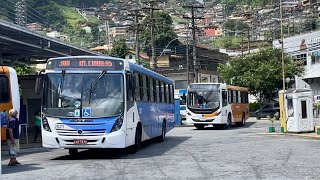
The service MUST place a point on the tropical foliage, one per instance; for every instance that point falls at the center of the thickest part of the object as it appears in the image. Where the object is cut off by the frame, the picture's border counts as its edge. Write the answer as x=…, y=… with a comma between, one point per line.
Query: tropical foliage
x=261, y=72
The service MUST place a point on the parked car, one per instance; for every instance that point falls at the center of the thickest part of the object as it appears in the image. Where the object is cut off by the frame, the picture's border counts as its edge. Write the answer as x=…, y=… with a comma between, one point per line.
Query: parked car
x=268, y=110
x=316, y=98
x=183, y=111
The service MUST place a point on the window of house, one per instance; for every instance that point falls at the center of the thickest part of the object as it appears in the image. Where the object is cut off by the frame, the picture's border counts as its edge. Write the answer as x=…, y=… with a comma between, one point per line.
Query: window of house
x=304, y=109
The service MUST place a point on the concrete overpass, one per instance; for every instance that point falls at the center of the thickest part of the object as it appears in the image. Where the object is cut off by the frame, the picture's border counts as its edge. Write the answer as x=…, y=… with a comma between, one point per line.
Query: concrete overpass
x=20, y=45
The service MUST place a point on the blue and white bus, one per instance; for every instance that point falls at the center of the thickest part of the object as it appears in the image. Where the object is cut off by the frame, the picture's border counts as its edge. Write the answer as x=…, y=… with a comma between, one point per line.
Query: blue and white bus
x=103, y=102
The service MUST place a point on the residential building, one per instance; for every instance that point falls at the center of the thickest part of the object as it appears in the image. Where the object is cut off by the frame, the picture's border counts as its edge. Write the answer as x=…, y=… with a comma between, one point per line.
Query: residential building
x=89, y=12
x=53, y=34
x=305, y=48
x=144, y=58
x=118, y=32
x=34, y=26
x=212, y=31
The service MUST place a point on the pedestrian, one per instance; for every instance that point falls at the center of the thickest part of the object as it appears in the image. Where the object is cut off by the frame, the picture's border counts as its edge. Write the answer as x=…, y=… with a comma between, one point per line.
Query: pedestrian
x=13, y=137
x=37, y=125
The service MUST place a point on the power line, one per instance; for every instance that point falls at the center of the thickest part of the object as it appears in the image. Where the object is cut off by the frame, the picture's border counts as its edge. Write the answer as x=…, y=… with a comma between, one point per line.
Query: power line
x=152, y=8
x=193, y=7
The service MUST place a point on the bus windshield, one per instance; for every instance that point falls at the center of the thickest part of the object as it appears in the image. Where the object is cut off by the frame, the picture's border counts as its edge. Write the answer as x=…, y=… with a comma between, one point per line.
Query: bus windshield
x=83, y=95
x=204, y=99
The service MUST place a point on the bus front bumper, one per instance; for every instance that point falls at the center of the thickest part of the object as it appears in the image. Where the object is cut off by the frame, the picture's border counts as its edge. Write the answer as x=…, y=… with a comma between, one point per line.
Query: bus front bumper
x=214, y=120
x=115, y=139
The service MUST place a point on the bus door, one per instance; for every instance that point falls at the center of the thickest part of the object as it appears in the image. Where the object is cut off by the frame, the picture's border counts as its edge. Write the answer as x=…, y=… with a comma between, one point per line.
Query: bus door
x=224, y=102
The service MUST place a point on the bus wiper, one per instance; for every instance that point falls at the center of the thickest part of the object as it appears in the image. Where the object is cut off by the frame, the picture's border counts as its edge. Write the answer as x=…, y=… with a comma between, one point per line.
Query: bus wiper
x=95, y=83
x=61, y=83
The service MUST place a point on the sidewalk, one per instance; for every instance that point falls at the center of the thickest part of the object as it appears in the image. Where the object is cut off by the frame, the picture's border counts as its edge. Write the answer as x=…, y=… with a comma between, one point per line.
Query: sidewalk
x=311, y=135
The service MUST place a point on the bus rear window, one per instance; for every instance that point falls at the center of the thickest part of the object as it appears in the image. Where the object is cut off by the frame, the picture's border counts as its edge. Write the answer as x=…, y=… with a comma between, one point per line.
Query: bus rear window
x=4, y=89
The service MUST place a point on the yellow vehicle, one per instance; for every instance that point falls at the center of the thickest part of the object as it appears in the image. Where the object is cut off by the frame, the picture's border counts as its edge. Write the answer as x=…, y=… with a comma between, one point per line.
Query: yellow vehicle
x=216, y=104
x=9, y=95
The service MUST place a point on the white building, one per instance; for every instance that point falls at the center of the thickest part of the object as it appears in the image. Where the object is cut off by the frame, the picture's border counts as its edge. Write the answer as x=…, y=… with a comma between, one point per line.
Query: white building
x=305, y=47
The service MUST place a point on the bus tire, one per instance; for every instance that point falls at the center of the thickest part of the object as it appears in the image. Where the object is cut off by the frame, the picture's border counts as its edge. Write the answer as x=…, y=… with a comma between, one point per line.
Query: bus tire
x=199, y=126
x=73, y=152
x=243, y=120
x=163, y=132
x=229, y=122
x=137, y=141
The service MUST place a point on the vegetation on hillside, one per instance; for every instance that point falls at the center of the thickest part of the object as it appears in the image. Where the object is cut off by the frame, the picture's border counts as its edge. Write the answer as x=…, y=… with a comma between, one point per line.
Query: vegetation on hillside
x=164, y=32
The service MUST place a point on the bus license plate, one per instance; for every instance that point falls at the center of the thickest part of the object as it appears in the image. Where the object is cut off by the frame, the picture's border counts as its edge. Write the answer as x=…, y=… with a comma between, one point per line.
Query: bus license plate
x=80, y=141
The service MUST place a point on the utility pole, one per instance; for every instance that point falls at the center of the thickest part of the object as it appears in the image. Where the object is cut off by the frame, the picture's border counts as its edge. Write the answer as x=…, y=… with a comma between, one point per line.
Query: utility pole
x=249, y=40
x=137, y=29
x=151, y=9
x=282, y=44
x=187, y=54
x=194, y=44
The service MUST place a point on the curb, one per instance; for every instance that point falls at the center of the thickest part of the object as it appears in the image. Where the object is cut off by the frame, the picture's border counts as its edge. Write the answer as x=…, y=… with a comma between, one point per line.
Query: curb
x=312, y=136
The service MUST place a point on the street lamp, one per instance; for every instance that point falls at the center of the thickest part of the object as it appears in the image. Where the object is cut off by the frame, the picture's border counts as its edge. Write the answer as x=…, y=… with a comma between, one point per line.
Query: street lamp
x=288, y=81
x=166, y=47
x=162, y=52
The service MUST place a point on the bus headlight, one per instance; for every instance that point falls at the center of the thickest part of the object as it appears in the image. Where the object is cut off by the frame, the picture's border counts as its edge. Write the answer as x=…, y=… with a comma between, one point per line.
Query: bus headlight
x=45, y=124
x=118, y=124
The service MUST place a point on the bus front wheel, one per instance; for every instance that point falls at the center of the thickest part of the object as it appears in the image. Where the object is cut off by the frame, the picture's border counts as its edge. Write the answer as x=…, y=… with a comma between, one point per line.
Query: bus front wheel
x=199, y=126
x=137, y=141
x=229, y=122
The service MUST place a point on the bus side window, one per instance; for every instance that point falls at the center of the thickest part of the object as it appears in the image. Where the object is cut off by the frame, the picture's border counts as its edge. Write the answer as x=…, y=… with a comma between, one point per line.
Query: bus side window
x=159, y=91
x=164, y=92
x=224, y=98
x=137, y=90
x=230, y=96
x=151, y=89
x=4, y=89
x=145, y=88
x=130, y=91
x=155, y=90
x=141, y=86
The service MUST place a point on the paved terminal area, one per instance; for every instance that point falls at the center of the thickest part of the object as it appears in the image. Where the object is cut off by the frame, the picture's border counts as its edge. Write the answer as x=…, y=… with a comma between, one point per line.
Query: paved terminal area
x=187, y=153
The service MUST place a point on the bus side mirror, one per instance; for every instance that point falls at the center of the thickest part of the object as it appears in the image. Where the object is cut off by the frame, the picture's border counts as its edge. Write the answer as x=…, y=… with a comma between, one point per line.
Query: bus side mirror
x=39, y=83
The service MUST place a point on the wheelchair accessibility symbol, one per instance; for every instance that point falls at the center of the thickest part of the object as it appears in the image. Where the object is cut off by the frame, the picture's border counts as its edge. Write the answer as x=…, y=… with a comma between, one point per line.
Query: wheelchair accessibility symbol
x=86, y=112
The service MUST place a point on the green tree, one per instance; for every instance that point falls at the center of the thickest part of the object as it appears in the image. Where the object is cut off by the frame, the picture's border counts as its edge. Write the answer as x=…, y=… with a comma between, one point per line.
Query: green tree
x=234, y=26
x=119, y=49
x=227, y=42
x=261, y=72
x=23, y=70
x=163, y=30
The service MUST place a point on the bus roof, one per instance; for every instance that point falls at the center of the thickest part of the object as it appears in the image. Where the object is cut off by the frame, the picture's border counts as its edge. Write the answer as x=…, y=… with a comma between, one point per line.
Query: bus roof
x=238, y=88
x=149, y=72
x=230, y=87
x=132, y=66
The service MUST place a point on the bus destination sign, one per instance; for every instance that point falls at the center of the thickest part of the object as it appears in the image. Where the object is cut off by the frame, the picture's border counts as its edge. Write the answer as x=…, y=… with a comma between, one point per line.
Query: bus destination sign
x=202, y=87
x=85, y=63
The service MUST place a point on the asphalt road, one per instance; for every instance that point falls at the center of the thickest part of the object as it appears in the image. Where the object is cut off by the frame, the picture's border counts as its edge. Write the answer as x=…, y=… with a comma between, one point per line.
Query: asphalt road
x=237, y=153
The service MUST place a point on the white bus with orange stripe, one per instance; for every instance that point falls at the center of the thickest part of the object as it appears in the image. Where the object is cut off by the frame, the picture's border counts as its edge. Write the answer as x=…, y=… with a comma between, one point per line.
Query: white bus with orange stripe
x=216, y=104
x=9, y=93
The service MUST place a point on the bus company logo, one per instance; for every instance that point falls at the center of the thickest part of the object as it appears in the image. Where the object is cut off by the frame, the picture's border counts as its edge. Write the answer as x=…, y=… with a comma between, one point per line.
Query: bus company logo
x=81, y=120
x=79, y=131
